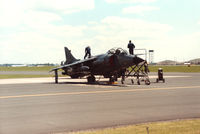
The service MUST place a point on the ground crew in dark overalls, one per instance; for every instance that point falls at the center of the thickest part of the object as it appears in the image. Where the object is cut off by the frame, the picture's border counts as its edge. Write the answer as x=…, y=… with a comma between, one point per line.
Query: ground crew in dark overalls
x=131, y=47
x=87, y=52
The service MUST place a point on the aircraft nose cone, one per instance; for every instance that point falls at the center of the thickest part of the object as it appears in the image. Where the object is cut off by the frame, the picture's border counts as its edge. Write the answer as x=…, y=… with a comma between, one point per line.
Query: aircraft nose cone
x=137, y=60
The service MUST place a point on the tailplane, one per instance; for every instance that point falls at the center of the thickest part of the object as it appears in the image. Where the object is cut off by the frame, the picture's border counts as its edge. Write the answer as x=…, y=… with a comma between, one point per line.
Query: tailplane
x=69, y=57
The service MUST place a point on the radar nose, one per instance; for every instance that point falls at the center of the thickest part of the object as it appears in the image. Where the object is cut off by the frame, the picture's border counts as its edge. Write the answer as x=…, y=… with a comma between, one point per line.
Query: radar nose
x=137, y=60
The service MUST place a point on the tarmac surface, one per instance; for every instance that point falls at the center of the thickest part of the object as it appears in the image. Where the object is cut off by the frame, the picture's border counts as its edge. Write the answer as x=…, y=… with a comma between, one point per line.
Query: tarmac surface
x=39, y=106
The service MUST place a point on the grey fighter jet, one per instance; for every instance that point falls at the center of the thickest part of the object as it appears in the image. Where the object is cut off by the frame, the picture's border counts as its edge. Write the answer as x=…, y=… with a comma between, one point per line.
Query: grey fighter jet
x=112, y=65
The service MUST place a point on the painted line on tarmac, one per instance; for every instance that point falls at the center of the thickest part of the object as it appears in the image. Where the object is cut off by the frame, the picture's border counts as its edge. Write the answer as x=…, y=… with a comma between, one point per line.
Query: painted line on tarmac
x=95, y=92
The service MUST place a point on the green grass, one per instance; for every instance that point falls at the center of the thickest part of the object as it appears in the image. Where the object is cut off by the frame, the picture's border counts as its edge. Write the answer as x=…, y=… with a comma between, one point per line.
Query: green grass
x=192, y=68
x=186, y=69
x=9, y=76
x=48, y=68
x=31, y=69
x=45, y=68
x=172, y=127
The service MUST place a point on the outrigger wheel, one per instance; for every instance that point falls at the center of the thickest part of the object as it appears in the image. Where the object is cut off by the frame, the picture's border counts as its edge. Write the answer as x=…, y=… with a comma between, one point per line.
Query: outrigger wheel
x=56, y=76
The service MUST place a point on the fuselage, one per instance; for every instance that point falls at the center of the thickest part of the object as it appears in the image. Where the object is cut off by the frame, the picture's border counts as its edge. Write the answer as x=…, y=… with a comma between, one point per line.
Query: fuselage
x=104, y=64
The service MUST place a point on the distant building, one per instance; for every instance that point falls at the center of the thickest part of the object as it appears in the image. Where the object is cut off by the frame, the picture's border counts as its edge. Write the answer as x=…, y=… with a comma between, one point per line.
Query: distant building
x=195, y=61
x=168, y=62
x=19, y=65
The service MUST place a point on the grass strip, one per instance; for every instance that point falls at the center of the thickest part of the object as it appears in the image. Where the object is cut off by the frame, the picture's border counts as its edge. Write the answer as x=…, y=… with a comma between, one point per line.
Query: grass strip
x=170, y=127
x=44, y=68
x=193, y=68
x=10, y=76
x=186, y=69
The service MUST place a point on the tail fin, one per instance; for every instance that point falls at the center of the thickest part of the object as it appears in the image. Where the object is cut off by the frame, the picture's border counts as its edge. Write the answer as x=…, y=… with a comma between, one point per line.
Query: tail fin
x=69, y=57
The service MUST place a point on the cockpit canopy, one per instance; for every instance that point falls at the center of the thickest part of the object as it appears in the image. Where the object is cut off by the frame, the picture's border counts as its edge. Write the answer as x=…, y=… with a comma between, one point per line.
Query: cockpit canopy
x=117, y=51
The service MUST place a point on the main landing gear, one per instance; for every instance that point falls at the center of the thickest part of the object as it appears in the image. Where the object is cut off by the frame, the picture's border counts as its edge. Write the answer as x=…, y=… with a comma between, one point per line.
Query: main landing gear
x=91, y=79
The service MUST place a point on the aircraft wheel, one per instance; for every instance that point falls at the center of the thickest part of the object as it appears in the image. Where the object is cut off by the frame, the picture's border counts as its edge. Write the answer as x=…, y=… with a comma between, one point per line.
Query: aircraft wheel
x=115, y=77
x=91, y=79
x=122, y=82
x=74, y=76
x=163, y=80
x=112, y=79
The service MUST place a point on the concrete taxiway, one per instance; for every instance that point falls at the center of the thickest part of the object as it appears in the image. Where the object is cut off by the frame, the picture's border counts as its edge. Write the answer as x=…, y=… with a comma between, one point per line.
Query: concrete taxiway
x=45, y=107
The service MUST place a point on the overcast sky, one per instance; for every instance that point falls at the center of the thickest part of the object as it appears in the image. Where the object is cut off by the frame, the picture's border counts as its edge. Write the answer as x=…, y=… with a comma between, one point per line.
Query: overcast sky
x=35, y=31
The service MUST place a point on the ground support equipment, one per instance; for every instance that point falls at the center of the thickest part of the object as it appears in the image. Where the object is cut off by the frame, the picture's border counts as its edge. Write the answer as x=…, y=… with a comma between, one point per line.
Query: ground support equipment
x=140, y=72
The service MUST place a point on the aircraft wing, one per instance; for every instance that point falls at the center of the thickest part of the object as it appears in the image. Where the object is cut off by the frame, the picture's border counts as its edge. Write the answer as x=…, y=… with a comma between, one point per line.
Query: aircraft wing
x=75, y=63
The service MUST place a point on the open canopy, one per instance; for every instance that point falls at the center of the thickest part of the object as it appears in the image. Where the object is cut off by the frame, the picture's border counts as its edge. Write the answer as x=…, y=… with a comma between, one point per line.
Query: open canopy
x=117, y=51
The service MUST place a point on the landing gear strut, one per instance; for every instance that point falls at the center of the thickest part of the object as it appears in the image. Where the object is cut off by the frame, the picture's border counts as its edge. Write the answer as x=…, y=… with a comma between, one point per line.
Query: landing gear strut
x=91, y=79
x=111, y=79
x=123, y=79
x=56, y=76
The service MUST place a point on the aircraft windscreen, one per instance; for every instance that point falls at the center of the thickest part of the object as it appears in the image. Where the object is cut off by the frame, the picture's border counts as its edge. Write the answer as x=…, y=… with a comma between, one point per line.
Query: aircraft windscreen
x=117, y=51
